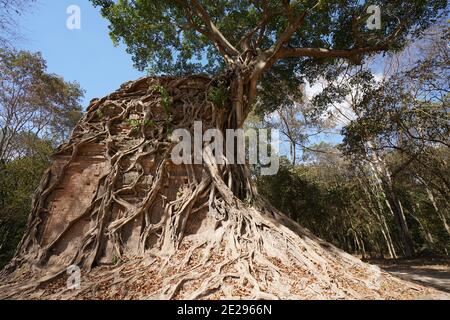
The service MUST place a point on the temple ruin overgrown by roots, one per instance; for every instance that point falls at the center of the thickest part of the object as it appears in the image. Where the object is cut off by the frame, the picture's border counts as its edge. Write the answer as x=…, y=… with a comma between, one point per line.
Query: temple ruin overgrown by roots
x=139, y=226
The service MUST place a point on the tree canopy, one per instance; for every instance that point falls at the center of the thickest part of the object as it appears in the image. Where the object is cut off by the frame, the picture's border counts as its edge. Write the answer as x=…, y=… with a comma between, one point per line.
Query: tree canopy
x=292, y=39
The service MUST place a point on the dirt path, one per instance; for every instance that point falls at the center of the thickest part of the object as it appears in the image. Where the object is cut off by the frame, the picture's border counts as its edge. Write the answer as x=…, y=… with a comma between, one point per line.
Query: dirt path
x=433, y=273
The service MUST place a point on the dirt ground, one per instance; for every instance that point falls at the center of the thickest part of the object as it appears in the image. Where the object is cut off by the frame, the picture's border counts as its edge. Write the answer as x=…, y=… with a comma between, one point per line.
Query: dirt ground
x=430, y=272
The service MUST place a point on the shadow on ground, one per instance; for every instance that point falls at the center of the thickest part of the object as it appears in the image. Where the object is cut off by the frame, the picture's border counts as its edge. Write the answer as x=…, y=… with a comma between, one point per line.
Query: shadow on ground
x=431, y=272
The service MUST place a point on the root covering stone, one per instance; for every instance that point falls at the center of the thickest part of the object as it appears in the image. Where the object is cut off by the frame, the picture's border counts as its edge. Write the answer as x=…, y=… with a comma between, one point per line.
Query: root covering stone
x=141, y=227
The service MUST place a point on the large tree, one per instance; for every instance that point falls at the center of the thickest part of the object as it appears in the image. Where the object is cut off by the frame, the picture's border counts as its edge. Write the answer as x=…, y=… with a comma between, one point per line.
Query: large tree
x=203, y=228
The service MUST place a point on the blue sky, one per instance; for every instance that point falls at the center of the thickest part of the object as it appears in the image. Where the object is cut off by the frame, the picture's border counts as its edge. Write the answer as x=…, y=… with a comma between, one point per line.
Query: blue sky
x=86, y=55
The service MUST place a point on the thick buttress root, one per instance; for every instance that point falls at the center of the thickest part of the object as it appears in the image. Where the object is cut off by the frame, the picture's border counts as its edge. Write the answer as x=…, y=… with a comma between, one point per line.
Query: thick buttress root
x=142, y=227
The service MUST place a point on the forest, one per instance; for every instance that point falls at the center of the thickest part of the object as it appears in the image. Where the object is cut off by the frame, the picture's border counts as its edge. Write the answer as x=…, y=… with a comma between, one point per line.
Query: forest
x=363, y=118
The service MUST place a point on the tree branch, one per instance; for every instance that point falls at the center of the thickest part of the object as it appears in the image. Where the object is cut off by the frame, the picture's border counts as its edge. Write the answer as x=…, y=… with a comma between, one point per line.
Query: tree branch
x=214, y=32
x=352, y=54
x=325, y=53
x=260, y=26
x=266, y=59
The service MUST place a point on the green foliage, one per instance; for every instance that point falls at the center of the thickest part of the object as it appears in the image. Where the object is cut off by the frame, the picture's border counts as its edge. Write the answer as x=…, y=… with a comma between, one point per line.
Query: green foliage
x=337, y=202
x=149, y=123
x=408, y=111
x=115, y=260
x=169, y=128
x=99, y=114
x=18, y=180
x=155, y=30
x=45, y=104
x=165, y=102
x=165, y=98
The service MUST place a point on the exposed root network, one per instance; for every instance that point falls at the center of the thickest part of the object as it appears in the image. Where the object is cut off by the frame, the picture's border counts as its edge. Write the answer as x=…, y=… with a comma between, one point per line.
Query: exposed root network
x=144, y=228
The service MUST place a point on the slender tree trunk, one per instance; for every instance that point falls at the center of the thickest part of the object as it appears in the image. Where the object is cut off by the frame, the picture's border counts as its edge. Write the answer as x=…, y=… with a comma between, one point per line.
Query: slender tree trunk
x=194, y=230
x=440, y=214
x=394, y=204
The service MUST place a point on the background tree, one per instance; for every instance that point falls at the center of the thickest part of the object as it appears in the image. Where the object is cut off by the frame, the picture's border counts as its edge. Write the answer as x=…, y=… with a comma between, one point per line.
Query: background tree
x=295, y=124
x=404, y=147
x=9, y=10
x=271, y=43
x=33, y=101
x=19, y=179
x=405, y=118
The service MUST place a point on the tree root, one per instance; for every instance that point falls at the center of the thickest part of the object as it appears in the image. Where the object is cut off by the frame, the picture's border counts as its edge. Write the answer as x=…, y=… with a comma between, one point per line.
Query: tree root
x=203, y=231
